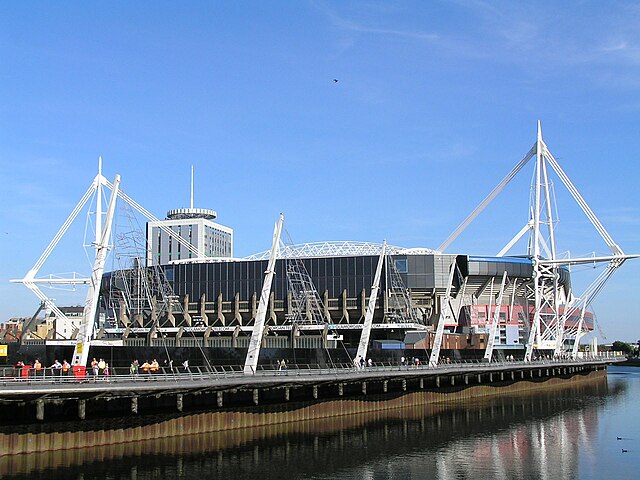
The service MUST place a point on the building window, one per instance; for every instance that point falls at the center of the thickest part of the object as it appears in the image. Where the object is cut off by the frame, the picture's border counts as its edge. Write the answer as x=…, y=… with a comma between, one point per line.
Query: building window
x=401, y=265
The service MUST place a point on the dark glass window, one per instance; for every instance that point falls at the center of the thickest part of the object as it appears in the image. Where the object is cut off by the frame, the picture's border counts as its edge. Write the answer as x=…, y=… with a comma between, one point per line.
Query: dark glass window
x=401, y=265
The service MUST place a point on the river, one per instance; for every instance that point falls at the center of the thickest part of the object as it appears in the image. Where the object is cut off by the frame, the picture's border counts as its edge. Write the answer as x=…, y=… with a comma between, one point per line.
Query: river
x=568, y=433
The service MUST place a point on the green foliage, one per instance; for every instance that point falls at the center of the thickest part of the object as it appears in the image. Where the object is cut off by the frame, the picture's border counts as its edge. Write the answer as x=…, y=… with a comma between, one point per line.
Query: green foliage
x=619, y=346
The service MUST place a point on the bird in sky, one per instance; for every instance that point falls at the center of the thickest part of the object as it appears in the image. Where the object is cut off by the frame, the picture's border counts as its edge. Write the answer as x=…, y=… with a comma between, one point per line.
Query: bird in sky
x=335, y=80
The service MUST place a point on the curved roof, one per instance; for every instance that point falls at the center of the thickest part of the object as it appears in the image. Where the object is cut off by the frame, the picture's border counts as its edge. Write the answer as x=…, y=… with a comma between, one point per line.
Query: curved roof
x=339, y=249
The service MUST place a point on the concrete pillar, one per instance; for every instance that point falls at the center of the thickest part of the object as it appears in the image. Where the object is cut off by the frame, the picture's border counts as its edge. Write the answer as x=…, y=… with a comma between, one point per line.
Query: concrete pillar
x=219, y=399
x=315, y=391
x=491, y=378
x=513, y=375
x=341, y=389
x=179, y=402
x=286, y=394
x=521, y=374
x=466, y=379
x=540, y=372
x=404, y=385
x=437, y=381
x=385, y=386
x=134, y=405
x=82, y=409
x=40, y=409
x=255, y=396
x=479, y=378
x=547, y=372
x=421, y=383
x=364, y=388
x=531, y=373
x=453, y=380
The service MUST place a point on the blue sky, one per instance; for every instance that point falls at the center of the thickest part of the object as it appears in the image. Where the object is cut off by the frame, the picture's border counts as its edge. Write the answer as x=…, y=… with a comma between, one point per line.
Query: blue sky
x=435, y=102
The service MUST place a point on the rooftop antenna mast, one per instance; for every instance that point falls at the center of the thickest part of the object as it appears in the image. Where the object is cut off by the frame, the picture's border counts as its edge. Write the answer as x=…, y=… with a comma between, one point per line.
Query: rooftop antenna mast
x=191, y=203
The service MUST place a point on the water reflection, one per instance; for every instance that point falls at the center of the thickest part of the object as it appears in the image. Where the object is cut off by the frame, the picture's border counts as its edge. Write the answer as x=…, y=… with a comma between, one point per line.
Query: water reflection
x=524, y=436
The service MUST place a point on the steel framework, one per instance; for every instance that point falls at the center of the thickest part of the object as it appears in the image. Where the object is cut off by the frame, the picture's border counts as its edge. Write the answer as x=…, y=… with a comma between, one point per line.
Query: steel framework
x=552, y=306
x=306, y=305
x=340, y=249
x=102, y=244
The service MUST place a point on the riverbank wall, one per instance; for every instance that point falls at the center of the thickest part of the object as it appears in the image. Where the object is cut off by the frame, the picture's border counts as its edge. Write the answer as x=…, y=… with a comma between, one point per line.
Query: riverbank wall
x=43, y=437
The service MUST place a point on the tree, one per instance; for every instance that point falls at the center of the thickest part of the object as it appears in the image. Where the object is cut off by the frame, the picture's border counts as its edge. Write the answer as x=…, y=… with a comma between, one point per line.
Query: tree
x=619, y=346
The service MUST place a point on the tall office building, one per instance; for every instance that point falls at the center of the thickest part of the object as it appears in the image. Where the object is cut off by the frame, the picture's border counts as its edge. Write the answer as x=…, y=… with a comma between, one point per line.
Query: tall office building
x=196, y=227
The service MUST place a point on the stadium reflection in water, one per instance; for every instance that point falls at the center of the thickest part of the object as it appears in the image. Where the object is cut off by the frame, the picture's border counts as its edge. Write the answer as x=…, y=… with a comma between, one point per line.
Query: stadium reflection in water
x=558, y=433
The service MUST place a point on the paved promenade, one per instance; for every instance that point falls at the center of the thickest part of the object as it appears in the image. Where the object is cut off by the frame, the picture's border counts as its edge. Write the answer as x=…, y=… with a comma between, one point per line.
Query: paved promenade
x=49, y=386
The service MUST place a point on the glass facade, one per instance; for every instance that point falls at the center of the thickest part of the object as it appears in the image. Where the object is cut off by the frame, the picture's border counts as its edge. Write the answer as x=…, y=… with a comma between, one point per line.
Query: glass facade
x=334, y=275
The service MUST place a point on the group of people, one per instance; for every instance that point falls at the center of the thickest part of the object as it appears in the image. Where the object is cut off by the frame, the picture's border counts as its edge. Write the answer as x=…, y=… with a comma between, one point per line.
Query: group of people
x=57, y=369
x=63, y=368
x=154, y=366
x=99, y=367
x=415, y=361
x=360, y=362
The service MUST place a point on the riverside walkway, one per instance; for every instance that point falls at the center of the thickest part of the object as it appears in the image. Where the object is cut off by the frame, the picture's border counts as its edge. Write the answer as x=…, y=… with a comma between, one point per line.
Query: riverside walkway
x=230, y=382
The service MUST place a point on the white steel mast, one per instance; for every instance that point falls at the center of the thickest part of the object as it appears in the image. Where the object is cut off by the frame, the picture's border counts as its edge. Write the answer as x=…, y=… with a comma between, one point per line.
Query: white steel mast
x=251, y=362
x=445, y=312
x=534, y=253
x=363, y=346
x=493, y=328
x=81, y=351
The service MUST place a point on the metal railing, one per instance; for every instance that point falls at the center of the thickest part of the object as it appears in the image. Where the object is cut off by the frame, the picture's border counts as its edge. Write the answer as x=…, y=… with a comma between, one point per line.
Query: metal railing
x=52, y=376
